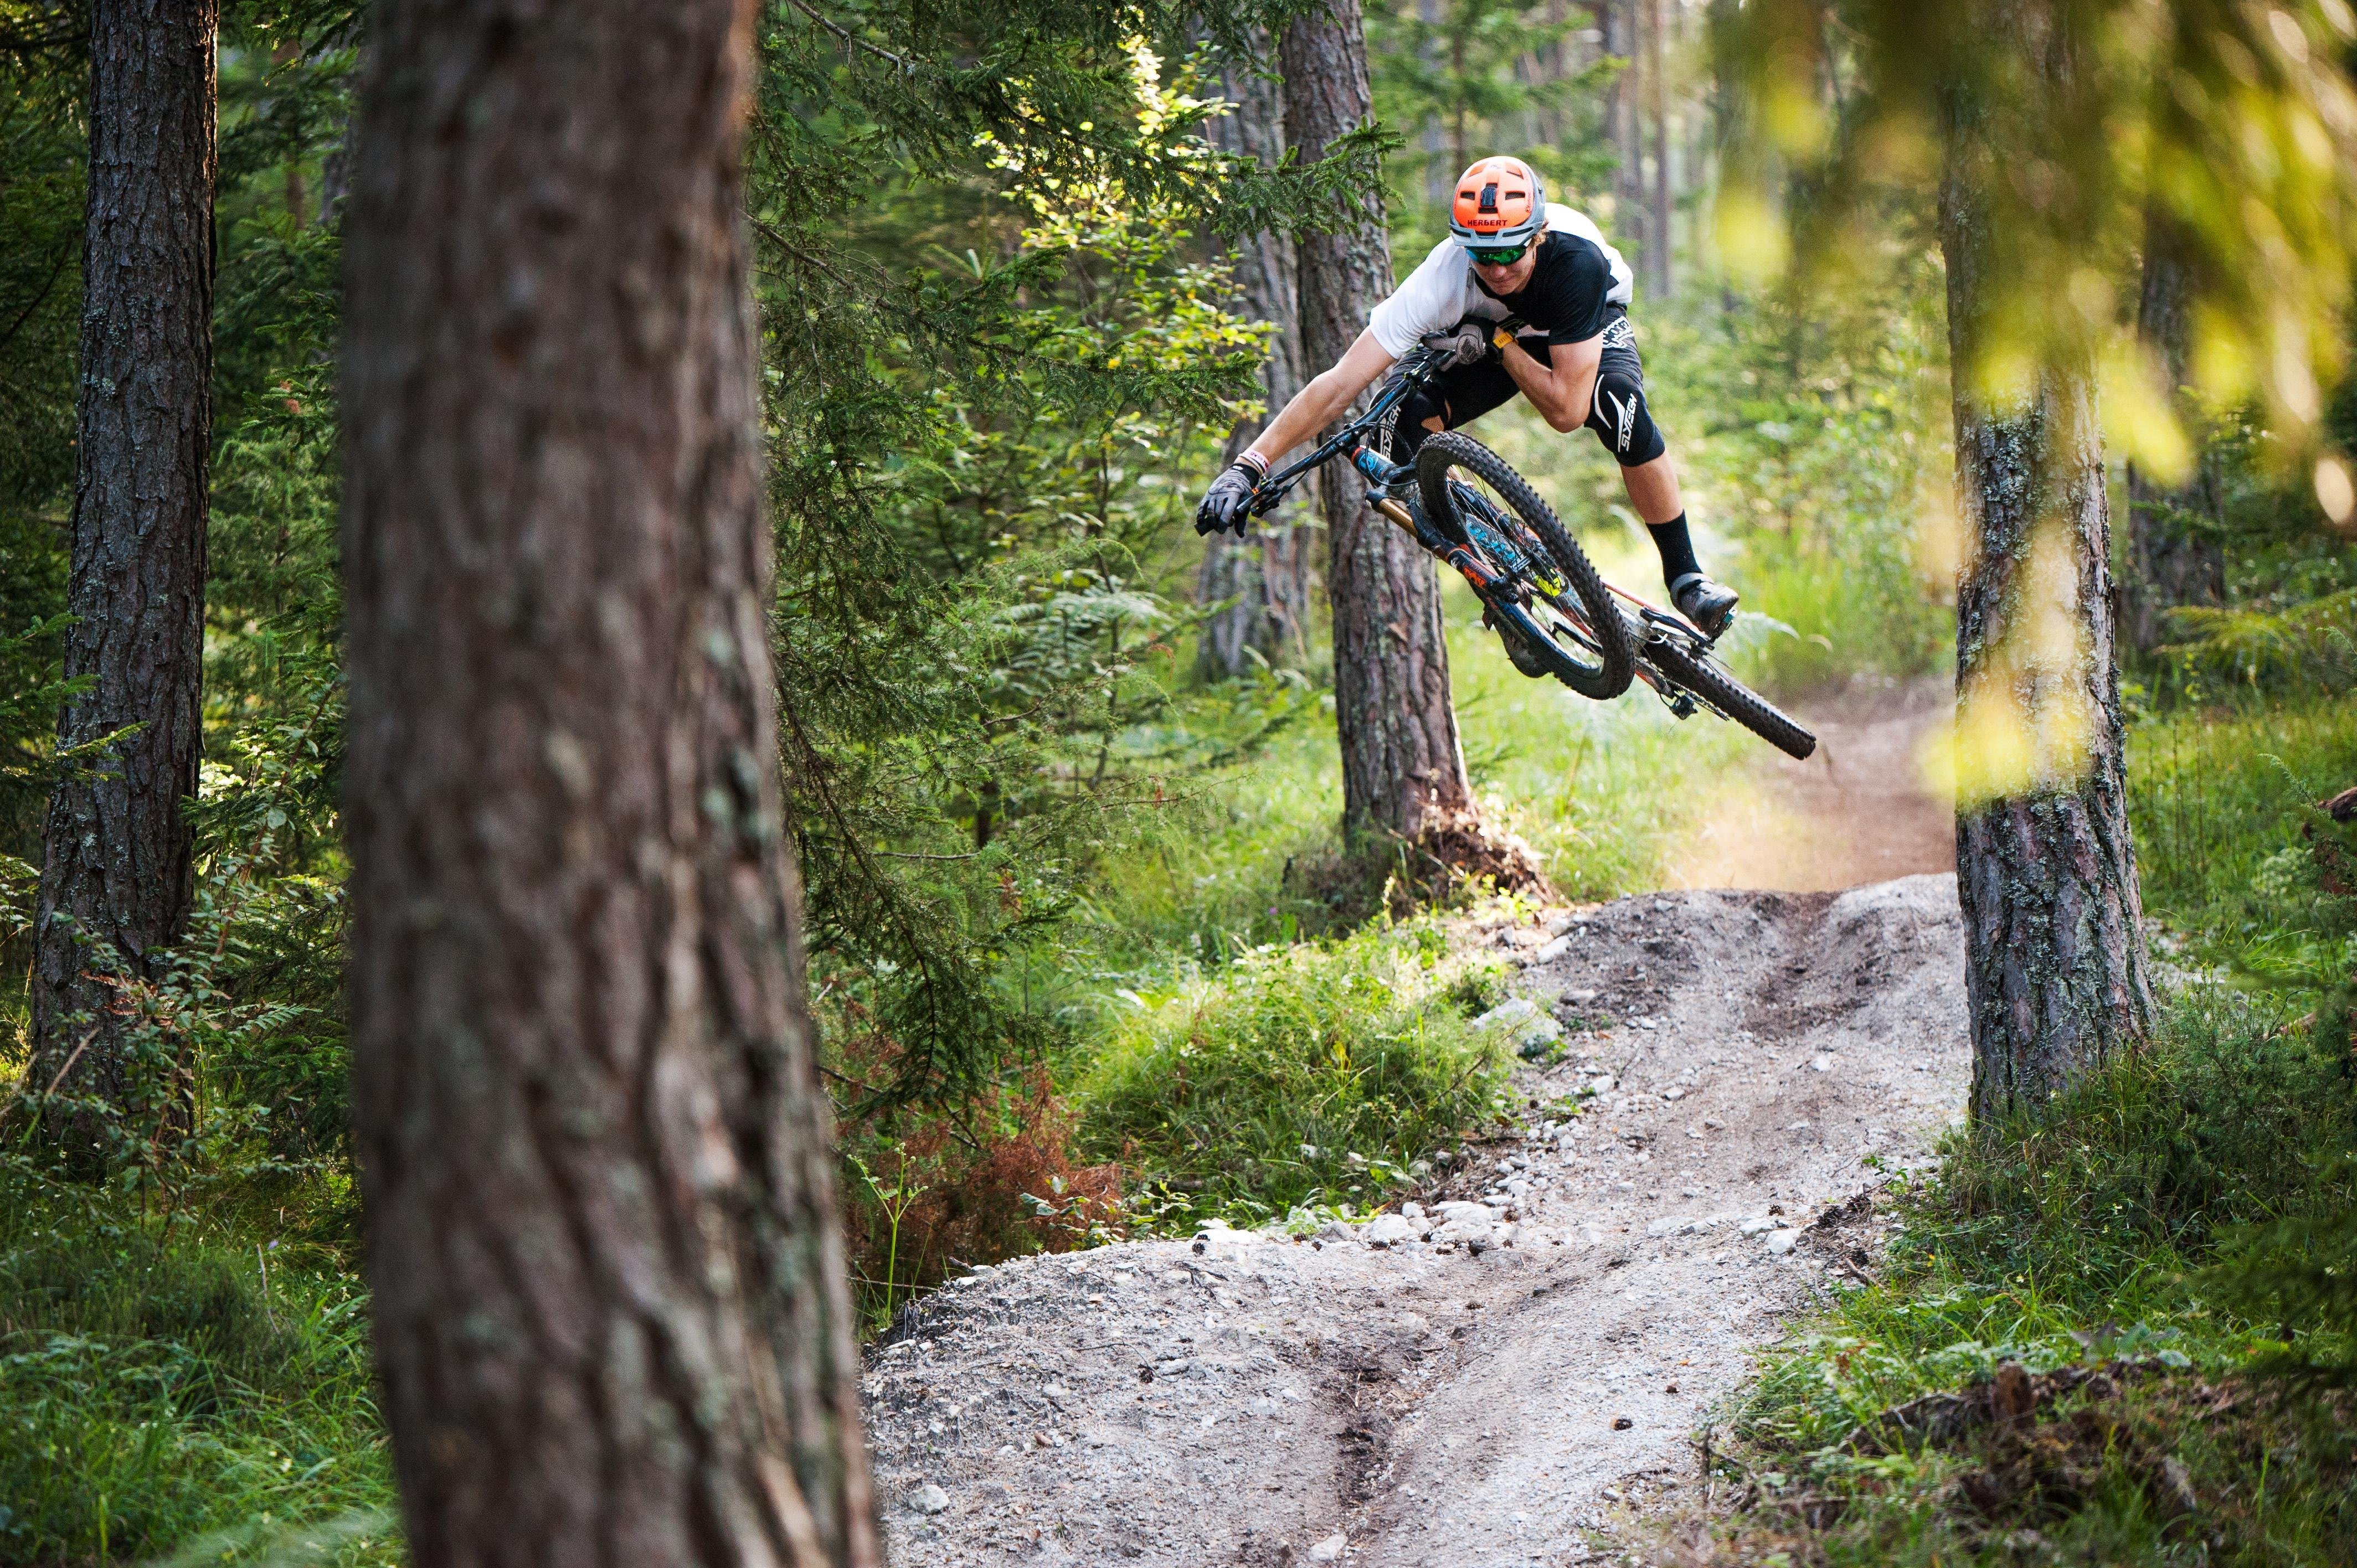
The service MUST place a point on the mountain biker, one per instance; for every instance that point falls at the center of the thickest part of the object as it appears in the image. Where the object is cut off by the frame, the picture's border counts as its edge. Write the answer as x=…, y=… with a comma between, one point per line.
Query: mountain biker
x=1525, y=296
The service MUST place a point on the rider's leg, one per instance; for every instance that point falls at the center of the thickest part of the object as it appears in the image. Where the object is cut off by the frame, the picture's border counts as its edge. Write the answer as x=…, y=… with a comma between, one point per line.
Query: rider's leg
x=1654, y=494
x=1448, y=401
x=1625, y=425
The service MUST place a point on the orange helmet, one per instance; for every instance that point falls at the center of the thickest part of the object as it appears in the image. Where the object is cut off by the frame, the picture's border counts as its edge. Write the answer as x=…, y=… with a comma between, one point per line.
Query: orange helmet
x=1499, y=202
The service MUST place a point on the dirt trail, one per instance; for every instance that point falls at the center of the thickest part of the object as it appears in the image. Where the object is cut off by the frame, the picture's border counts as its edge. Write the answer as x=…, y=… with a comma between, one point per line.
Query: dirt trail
x=1500, y=1390
x=1858, y=811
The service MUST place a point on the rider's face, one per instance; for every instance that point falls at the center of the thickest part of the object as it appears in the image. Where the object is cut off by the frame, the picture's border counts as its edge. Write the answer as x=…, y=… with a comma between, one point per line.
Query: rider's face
x=1510, y=278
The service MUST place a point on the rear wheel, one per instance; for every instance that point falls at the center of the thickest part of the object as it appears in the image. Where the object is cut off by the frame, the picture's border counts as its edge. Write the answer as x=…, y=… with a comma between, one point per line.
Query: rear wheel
x=1707, y=678
x=1573, y=625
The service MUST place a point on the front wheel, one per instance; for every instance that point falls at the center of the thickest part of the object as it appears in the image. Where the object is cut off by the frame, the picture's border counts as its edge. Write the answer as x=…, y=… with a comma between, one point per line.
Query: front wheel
x=1707, y=678
x=1574, y=627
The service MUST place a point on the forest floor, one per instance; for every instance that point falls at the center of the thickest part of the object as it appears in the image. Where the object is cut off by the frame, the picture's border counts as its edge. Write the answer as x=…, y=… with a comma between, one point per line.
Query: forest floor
x=1517, y=1369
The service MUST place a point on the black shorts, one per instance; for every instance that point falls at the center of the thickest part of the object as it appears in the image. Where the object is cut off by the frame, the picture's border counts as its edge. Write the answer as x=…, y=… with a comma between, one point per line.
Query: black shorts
x=1460, y=396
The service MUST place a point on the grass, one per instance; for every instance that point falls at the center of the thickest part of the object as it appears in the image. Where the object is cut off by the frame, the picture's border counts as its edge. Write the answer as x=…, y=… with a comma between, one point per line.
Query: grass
x=157, y=1399
x=2187, y=1209
x=1296, y=1076
x=2215, y=799
x=1603, y=791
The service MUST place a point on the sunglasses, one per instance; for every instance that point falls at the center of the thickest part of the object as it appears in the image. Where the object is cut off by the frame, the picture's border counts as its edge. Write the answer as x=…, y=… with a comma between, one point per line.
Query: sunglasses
x=1498, y=257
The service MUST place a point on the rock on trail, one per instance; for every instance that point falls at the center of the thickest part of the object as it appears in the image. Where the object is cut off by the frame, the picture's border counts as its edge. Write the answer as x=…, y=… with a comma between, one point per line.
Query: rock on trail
x=1493, y=1380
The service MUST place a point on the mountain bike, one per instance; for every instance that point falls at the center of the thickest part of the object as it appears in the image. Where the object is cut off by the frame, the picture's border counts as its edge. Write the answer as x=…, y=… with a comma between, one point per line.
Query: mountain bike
x=1556, y=615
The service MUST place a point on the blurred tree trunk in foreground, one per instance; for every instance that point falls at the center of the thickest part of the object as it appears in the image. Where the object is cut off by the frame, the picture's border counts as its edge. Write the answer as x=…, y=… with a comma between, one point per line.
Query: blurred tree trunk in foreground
x=610, y=1310
x=1267, y=577
x=2172, y=560
x=117, y=868
x=2054, y=954
x=1402, y=768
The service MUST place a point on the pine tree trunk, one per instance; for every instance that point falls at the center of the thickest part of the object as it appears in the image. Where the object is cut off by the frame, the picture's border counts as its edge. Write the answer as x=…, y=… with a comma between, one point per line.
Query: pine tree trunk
x=1440, y=174
x=2173, y=561
x=1267, y=578
x=2055, y=963
x=1657, y=94
x=118, y=865
x=610, y=1309
x=1402, y=768
x=1621, y=125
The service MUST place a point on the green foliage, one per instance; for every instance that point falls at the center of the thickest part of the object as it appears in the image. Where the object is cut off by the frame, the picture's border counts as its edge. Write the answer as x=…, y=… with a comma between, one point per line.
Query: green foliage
x=1816, y=436
x=152, y=1395
x=2227, y=126
x=1294, y=1076
x=979, y=454
x=2310, y=642
x=2228, y=1120
x=40, y=295
x=2216, y=800
x=1467, y=77
x=40, y=306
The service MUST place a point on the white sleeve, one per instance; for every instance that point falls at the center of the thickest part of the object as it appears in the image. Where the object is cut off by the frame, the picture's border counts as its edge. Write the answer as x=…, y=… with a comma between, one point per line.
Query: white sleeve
x=1431, y=300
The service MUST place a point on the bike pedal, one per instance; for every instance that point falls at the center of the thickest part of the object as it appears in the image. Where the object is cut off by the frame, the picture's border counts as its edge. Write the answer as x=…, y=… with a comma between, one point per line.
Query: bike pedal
x=1667, y=626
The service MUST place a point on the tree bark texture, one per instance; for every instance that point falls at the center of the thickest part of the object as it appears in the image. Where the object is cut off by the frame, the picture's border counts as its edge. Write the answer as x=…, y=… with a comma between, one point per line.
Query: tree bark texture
x=1402, y=765
x=1665, y=203
x=2055, y=961
x=611, y=1309
x=2174, y=556
x=1265, y=581
x=117, y=869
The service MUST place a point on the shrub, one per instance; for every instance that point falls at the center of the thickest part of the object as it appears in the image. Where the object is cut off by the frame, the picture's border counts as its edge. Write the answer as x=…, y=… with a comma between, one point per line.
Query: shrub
x=150, y=1394
x=2226, y=1120
x=929, y=1187
x=1296, y=1075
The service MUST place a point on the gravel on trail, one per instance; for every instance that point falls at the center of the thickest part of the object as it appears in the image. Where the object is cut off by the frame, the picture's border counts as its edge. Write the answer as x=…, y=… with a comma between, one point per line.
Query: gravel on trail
x=1502, y=1377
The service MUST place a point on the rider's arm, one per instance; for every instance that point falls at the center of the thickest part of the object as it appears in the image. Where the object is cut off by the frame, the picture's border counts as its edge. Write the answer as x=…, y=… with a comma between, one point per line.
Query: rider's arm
x=1323, y=400
x=1563, y=390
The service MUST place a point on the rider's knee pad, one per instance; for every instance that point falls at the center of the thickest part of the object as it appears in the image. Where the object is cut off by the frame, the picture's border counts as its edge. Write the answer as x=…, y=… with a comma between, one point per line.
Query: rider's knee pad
x=1622, y=422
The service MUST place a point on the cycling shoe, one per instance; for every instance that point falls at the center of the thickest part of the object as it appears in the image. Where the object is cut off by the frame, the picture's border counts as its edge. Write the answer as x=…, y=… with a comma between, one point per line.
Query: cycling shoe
x=1710, y=605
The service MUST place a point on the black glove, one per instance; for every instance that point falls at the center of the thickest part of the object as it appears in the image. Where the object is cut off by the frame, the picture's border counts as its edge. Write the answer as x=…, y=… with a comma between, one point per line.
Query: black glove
x=1466, y=343
x=1227, y=503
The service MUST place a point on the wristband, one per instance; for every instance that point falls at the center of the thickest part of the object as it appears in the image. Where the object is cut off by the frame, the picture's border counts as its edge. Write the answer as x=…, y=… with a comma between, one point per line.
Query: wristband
x=1256, y=462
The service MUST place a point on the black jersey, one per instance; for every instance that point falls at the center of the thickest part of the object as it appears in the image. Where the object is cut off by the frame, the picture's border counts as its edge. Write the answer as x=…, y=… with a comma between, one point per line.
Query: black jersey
x=1577, y=279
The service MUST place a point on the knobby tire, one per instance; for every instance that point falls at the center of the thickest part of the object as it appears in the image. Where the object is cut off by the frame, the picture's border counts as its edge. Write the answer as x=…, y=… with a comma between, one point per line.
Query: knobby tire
x=1708, y=679
x=1616, y=665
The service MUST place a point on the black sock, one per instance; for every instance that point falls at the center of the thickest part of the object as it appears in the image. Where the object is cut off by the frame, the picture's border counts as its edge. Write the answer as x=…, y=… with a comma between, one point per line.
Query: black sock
x=1676, y=547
